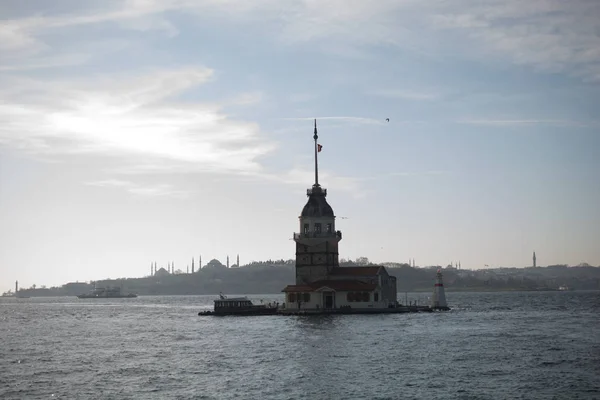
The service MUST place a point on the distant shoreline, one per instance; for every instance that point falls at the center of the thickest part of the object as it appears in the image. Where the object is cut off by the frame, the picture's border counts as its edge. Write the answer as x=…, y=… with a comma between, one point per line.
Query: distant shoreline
x=422, y=291
x=269, y=277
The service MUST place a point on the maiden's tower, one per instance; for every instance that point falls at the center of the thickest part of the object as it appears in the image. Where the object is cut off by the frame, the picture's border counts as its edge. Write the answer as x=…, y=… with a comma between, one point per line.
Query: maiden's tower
x=321, y=284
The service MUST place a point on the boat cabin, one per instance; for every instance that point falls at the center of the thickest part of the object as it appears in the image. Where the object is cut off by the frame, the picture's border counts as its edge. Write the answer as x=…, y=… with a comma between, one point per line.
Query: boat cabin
x=232, y=304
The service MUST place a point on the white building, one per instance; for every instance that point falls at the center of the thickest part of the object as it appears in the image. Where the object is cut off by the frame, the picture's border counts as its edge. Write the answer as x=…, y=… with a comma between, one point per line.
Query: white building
x=320, y=282
x=438, y=299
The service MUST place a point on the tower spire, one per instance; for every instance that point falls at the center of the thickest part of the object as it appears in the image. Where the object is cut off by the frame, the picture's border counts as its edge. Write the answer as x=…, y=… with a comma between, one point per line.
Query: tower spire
x=316, y=151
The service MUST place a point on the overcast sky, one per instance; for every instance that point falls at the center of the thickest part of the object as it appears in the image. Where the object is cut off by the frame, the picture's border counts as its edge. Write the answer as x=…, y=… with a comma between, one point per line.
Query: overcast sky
x=161, y=130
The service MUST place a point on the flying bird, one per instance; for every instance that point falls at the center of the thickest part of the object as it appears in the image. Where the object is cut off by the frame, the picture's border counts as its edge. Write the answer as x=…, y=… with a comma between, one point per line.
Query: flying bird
x=387, y=119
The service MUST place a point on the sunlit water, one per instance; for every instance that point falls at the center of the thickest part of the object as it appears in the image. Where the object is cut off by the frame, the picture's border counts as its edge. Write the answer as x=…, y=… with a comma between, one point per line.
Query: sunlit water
x=491, y=346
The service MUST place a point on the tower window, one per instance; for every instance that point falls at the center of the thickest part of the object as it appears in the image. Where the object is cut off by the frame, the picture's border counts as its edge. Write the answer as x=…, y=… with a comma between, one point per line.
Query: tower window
x=306, y=229
x=317, y=228
x=329, y=228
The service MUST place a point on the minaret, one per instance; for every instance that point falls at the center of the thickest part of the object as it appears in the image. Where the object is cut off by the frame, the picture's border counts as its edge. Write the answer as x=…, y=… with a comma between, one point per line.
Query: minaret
x=192, y=265
x=317, y=242
x=534, y=260
x=238, y=260
x=151, y=269
x=438, y=300
x=199, y=263
x=227, y=261
x=173, y=267
x=16, y=287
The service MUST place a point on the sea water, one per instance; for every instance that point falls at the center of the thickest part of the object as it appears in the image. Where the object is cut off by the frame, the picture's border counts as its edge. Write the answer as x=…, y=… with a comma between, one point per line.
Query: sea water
x=507, y=345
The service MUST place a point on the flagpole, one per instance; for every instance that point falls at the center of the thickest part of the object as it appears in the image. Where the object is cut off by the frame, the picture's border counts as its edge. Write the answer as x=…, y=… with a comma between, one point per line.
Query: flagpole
x=316, y=163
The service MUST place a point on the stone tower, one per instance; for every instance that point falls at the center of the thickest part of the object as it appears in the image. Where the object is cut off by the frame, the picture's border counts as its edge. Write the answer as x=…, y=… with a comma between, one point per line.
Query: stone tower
x=317, y=241
x=534, y=260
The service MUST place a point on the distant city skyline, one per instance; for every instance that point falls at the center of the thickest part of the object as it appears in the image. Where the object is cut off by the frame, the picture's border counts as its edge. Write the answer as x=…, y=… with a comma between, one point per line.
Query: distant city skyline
x=155, y=131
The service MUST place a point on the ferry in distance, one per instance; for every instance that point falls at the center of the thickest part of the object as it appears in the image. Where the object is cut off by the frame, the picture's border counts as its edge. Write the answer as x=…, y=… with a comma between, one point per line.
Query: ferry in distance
x=106, y=293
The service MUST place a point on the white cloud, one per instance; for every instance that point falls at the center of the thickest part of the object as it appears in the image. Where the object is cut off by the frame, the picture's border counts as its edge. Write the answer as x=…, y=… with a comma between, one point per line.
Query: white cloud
x=137, y=116
x=111, y=183
x=548, y=35
x=128, y=115
x=63, y=60
x=14, y=38
x=152, y=190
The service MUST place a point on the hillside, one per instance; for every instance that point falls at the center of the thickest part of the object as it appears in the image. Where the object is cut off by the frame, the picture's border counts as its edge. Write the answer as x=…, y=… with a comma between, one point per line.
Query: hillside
x=273, y=276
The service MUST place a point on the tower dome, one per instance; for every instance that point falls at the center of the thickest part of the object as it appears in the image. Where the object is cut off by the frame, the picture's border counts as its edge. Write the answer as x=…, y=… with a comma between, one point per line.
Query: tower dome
x=317, y=206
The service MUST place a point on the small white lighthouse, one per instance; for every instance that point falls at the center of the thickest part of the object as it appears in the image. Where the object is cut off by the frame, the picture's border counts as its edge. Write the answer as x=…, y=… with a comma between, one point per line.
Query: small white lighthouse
x=438, y=300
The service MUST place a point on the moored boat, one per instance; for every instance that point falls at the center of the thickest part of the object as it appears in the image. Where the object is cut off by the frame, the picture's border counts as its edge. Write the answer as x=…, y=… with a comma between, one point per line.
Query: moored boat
x=239, y=306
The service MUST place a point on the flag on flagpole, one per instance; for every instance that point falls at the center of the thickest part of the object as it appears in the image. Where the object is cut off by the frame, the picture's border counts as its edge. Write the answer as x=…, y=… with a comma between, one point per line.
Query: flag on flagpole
x=319, y=147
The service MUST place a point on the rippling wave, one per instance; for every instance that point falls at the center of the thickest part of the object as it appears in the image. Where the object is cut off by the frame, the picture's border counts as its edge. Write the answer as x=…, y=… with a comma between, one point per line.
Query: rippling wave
x=515, y=345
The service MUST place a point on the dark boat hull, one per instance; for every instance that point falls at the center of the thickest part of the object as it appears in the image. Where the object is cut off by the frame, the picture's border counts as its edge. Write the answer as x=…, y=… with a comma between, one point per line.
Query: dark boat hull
x=247, y=312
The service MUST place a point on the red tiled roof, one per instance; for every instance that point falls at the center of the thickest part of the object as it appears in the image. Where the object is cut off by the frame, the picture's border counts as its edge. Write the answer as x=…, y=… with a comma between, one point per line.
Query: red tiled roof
x=297, y=288
x=335, y=285
x=356, y=271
